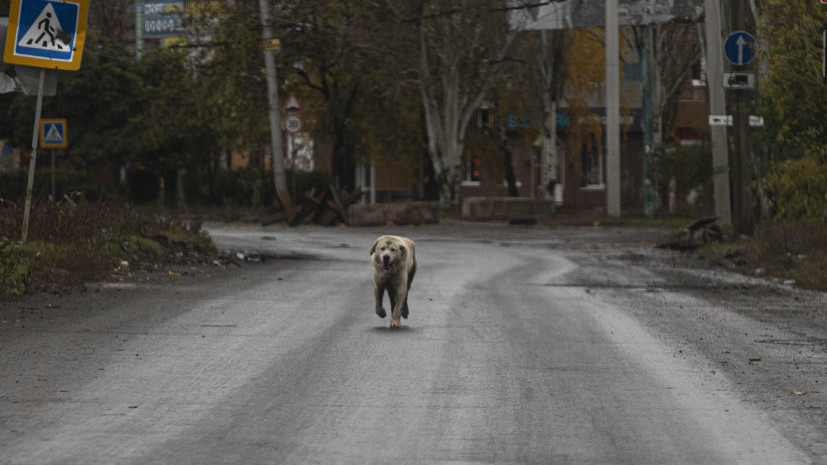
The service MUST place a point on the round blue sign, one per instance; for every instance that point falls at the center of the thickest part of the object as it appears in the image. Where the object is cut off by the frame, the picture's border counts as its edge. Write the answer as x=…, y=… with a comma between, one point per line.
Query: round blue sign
x=739, y=48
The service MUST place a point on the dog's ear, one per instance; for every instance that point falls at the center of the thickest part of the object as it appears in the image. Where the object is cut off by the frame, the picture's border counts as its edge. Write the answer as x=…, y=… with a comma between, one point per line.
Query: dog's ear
x=403, y=251
x=373, y=248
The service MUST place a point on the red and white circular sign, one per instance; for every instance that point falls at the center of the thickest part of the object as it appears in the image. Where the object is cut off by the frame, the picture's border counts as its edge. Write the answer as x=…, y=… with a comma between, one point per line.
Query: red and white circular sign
x=293, y=124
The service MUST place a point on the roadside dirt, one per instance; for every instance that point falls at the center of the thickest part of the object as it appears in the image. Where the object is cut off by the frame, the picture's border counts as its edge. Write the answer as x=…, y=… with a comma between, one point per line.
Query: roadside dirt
x=761, y=338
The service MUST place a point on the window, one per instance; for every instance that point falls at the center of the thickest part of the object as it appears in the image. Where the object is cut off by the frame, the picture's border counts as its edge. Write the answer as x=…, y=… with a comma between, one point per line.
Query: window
x=472, y=171
x=485, y=116
x=699, y=73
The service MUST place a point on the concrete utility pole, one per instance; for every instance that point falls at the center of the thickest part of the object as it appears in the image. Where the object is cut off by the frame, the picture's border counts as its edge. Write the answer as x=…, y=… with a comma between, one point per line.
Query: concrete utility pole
x=276, y=142
x=717, y=106
x=612, y=111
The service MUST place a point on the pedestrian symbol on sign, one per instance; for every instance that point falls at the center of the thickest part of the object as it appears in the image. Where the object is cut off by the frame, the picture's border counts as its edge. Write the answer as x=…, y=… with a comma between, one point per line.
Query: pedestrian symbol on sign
x=53, y=136
x=53, y=133
x=45, y=33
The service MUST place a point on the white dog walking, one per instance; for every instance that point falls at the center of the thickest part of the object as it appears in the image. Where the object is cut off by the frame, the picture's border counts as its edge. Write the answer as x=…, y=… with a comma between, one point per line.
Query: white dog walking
x=394, y=267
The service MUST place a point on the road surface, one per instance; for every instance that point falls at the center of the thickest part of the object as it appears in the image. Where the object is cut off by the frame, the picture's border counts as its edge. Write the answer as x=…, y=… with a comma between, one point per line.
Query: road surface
x=524, y=345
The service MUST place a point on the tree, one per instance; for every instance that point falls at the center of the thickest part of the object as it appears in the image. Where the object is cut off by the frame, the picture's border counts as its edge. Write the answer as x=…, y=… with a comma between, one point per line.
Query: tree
x=553, y=52
x=98, y=102
x=509, y=116
x=793, y=96
x=584, y=80
x=325, y=59
x=166, y=115
x=456, y=54
x=113, y=19
x=672, y=57
x=225, y=52
x=793, y=89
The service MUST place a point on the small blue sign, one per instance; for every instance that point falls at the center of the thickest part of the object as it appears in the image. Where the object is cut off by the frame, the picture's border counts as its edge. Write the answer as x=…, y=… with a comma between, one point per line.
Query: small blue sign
x=739, y=48
x=53, y=133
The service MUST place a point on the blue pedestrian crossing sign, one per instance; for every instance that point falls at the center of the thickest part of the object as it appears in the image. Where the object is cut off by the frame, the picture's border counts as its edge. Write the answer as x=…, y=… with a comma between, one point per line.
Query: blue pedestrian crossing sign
x=46, y=33
x=53, y=133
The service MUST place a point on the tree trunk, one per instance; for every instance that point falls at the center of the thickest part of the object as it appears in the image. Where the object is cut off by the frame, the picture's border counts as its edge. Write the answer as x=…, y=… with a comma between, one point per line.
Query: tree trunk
x=553, y=67
x=508, y=162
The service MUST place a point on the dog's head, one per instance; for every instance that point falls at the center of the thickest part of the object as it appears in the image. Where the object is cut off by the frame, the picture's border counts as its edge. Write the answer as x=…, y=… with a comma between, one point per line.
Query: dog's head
x=388, y=251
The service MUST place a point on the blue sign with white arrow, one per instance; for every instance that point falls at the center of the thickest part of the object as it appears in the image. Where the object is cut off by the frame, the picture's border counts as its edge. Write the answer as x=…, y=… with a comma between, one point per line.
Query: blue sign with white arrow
x=739, y=48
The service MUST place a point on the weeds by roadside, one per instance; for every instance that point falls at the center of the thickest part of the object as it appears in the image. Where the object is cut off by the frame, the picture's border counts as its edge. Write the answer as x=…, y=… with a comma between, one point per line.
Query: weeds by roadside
x=73, y=242
x=787, y=251
x=783, y=250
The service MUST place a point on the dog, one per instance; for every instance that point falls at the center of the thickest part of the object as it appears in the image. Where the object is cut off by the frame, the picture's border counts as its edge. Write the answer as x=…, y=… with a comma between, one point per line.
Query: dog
x=394, y=267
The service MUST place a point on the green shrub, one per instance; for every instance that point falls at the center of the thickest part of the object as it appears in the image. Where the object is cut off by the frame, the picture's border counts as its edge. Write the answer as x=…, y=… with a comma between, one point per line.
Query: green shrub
x=691, y=165
x=300, y=182
x=13, y=185
x=248, y=187
x=144, y=186
x=245, y=187
x=797, y=190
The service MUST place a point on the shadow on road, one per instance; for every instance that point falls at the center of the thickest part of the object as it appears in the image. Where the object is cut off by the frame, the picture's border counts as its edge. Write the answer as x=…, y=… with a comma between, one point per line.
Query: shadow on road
x=404, y=330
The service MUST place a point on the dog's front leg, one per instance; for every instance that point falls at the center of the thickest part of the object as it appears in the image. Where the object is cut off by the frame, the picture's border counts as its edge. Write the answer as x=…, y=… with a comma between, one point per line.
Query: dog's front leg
x=379, y=292
x=401, y=300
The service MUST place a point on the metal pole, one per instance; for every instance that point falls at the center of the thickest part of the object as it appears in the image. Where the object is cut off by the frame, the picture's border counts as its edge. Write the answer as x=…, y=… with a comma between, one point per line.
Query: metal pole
x=612, y=111
x=717, y=106
x=53, y=199
x=277, y=145
x=33, y=160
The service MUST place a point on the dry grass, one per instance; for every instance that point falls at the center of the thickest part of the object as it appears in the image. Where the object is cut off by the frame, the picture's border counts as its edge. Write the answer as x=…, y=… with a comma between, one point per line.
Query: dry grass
x=781, y=250
x=73, y=242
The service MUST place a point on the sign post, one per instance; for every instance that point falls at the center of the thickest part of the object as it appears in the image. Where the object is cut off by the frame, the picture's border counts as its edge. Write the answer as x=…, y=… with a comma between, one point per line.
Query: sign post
x=46, y=34
x=740, y=48
x=52, y=136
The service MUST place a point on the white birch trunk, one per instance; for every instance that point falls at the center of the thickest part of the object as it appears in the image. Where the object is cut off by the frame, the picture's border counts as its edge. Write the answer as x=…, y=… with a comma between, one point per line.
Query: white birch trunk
x=451, y=98
x=550, y=157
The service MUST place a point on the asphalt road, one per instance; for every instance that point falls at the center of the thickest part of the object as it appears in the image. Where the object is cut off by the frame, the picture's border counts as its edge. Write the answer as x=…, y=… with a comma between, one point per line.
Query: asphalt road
x=524, y=345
